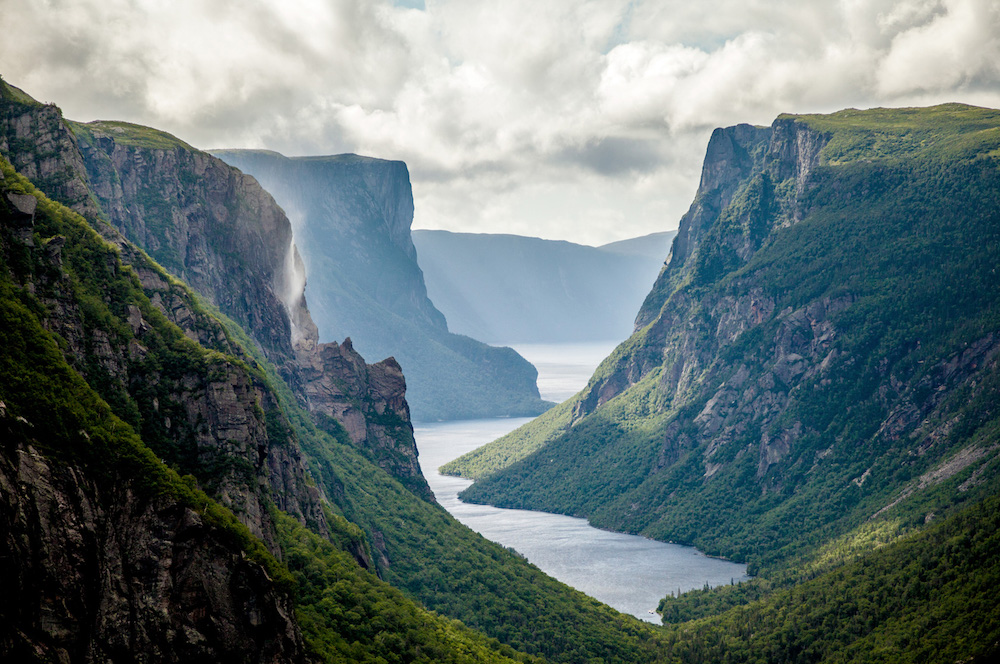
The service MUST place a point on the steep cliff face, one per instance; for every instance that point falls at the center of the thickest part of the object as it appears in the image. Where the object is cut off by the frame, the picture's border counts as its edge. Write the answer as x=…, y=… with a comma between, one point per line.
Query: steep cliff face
x=352, y=219
x=368, y=402
x=202, y=410
x=209, y=224
x=109, y=553
x=799, y=355
x=212, y=226
x=34, y=139
x=106, y=573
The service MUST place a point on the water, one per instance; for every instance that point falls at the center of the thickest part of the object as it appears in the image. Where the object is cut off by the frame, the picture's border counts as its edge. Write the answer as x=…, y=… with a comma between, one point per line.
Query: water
x=626, y=572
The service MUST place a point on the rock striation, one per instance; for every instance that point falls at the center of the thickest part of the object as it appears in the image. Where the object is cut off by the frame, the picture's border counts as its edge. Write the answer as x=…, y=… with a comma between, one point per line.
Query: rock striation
x=104, y=574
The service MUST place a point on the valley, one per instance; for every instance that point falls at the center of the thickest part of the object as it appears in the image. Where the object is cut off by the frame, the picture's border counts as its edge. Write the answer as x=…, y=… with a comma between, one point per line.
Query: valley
x=194, y=468
x=626, y=572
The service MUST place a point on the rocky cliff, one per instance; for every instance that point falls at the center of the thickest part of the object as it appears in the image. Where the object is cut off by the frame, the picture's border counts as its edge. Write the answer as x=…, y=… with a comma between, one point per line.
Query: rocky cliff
x=819, y=349
x=212, y=227
x=351, y=216
x=208, y=224
x=116, y=555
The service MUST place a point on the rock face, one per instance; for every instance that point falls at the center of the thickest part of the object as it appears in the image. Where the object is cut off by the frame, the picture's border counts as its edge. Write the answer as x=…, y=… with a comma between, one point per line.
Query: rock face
x=108, y=568
x=208, y=224
x=34, y=139
x=213, y=227
x=509, y=289
x=107, y=575
x=368, y=401
x=157, y=580
x=200, y=410
x=798, y=354
x=351, y=217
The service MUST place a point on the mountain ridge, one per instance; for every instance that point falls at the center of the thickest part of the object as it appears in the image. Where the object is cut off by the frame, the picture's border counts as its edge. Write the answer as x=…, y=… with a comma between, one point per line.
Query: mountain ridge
x=759, y=324
x=513, y=289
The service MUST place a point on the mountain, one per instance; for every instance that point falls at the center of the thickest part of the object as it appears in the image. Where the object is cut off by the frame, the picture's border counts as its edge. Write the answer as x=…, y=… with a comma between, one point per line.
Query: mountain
x=351, y=217
x=812, y=376
x=166, y=494
x=513, y=289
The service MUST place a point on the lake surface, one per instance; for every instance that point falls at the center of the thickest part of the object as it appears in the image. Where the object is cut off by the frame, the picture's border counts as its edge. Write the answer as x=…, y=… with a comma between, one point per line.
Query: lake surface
x=626, y=572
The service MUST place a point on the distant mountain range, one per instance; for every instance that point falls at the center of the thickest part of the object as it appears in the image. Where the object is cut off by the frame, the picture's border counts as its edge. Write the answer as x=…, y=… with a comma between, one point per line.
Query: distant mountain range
x=351, y=217
x=512, y=289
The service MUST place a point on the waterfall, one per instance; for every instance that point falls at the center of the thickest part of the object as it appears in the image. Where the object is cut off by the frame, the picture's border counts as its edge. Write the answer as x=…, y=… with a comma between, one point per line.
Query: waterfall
x=292, y=290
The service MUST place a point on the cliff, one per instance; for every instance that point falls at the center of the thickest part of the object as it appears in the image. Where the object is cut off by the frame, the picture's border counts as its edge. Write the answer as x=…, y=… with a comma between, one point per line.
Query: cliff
x=116, y=554
x=211, y=226
x=116, y=380
x=511, y=289
x=351, y=217
x=819, y=350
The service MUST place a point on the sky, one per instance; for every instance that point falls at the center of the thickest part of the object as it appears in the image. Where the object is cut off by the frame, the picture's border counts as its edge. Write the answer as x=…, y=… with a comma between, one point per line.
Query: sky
x=581, y=120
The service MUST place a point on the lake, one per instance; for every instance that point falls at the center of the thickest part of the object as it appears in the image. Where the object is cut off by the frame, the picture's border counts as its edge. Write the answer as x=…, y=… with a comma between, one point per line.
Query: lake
x=627, y=572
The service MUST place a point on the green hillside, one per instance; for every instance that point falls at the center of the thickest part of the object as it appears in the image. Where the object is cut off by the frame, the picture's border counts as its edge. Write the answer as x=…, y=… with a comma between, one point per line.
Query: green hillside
x=97, y=300
x=821, y=351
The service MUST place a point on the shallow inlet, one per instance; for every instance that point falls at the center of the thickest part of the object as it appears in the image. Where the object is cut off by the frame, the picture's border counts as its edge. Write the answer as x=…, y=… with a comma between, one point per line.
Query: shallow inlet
x=627, y=572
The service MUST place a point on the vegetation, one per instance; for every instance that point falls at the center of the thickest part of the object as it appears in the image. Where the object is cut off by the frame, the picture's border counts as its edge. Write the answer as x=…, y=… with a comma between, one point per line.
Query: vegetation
x=126, y=133
x=927, y=597
x=859, y=407
x=347, y=614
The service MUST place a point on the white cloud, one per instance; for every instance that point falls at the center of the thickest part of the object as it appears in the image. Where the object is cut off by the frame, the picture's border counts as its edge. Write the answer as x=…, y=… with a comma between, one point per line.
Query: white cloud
x=569, y=118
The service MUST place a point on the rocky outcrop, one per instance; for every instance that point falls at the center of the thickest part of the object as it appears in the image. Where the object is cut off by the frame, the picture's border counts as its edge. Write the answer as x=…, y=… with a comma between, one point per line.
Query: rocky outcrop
x=34, y=139
x=368, y=401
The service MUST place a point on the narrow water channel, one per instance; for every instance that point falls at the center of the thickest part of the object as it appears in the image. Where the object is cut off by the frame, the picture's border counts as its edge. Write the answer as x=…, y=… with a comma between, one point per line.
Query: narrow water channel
x=626, y=572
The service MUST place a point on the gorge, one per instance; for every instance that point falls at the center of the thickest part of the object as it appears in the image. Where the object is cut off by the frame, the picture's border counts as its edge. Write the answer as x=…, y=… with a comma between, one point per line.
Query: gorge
x=190, y=472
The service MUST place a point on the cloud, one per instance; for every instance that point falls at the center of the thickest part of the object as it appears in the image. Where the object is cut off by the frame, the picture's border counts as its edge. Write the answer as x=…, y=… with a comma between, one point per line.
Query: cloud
x=583, y=119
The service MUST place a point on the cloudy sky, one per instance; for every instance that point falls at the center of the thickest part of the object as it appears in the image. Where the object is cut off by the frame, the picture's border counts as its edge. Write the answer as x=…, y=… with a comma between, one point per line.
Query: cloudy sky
x=568, y=119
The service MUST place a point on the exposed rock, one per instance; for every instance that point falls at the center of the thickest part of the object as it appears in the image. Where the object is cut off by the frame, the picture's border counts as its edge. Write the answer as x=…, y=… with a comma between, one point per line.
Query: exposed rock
x=368, y=401
x=105, y=574
x=352, y=216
